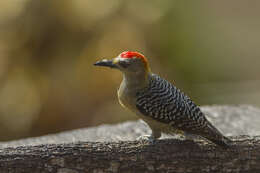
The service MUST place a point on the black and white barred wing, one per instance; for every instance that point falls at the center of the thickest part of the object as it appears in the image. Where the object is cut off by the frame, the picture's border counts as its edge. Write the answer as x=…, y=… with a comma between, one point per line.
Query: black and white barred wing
x=163, y=102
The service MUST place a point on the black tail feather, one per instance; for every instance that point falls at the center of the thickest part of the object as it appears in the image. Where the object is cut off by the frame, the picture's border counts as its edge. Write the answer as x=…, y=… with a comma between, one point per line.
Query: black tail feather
x=215, y=136
x=223, y=143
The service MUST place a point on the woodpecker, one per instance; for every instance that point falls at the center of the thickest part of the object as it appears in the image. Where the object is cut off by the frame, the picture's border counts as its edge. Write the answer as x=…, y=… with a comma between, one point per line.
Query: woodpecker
x=158, y=102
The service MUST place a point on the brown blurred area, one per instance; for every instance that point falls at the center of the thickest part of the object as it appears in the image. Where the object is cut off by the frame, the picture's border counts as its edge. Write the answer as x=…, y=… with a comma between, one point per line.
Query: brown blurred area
x=48, y=82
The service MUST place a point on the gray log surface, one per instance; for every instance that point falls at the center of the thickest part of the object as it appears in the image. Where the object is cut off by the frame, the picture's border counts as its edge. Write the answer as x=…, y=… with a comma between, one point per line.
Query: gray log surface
x=114, y=148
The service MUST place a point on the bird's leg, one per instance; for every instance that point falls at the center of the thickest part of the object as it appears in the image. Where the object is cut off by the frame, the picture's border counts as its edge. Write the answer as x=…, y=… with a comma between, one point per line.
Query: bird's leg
x=156, y=133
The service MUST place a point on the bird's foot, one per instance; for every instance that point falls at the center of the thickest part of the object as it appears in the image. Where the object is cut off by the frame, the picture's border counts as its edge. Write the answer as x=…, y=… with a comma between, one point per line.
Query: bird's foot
x=146, y=139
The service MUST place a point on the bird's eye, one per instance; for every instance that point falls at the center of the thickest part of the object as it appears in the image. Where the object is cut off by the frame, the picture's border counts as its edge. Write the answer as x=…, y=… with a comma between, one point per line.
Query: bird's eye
x=124, y=64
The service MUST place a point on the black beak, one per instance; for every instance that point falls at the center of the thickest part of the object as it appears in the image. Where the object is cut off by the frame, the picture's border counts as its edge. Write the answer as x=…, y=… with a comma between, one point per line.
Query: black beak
x=106, y=63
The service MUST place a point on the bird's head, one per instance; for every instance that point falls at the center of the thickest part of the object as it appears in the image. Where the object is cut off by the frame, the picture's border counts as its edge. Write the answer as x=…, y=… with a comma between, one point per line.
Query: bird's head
x=127, y=62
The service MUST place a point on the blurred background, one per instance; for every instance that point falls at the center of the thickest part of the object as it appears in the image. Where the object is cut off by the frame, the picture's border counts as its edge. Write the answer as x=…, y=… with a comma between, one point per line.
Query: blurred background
x=48, y=82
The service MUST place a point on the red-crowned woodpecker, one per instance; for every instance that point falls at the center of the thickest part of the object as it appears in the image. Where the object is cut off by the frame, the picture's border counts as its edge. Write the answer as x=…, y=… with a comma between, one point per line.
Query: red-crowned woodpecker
x=158, y=102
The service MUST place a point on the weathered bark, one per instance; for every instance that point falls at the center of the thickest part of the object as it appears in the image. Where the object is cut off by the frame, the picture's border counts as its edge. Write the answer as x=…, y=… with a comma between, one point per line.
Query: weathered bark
x=167, y=155
x=117, y=153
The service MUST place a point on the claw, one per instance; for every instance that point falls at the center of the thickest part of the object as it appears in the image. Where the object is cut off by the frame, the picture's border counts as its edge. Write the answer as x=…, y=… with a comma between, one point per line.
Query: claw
x=146, y=139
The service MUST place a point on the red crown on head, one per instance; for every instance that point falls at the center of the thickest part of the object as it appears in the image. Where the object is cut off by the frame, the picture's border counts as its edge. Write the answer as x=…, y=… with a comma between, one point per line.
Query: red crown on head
x=129, y=54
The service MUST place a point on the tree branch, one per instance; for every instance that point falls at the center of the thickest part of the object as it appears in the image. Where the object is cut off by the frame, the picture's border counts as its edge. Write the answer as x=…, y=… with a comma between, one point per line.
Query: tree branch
x=172, y=155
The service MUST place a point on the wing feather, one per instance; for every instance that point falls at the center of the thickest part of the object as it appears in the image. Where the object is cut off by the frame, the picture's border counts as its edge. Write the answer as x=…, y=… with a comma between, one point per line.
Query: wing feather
x=164, y=102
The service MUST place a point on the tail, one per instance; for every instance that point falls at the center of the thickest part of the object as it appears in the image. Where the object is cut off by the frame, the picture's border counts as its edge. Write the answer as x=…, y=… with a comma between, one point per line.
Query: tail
x=212, y=134
x=224, y=142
